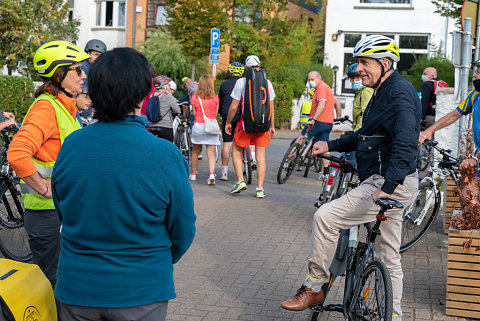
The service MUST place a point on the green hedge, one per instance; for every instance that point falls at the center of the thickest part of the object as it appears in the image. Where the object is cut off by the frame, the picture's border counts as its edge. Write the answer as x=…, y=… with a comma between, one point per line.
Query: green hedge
x=16, y=95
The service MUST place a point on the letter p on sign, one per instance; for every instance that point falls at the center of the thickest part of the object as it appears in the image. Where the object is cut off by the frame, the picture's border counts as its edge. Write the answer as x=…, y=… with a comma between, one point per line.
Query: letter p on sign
x=215, y=38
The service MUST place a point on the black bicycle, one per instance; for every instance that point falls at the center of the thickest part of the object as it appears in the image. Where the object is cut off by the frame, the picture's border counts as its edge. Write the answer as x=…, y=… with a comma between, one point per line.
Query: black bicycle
x=182, y=134
x=247, y=165
x=420, y=215
x=298, y=154
x=13, y=236
x=368, y=286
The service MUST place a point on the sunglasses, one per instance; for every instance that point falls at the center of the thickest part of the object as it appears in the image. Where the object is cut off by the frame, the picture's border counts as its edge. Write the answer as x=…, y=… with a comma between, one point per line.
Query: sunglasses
x=79, y=69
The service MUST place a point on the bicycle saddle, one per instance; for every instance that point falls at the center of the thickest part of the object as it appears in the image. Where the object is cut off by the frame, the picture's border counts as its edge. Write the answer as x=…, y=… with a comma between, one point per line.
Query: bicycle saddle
x=388, y=203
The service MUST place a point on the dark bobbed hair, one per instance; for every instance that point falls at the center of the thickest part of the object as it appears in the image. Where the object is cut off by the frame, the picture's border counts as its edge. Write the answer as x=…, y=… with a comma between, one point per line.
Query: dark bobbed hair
x=117, y=82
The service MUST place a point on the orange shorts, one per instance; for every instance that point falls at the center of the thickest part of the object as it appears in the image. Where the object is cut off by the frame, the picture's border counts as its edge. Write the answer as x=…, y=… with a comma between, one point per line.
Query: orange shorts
x=244, y=139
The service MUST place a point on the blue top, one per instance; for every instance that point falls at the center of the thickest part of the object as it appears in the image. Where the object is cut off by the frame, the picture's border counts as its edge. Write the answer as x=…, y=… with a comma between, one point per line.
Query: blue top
x=471, y=104
x=126, y=208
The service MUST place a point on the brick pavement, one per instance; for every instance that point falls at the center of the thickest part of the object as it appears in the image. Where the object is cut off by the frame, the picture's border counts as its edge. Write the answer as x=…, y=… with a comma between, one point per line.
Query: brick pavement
x=249, y=254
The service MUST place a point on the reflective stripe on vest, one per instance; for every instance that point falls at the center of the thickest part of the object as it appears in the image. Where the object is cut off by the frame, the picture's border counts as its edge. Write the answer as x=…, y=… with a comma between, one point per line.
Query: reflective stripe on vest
x=66, y=125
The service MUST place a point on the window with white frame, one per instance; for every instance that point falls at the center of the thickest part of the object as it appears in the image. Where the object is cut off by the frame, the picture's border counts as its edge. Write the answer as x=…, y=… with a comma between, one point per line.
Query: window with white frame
x=110, y=13
x=410, y=45
x=70, y=10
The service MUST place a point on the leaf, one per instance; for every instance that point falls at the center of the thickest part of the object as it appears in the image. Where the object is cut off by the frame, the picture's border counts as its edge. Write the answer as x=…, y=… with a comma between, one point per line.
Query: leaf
x=466, y=244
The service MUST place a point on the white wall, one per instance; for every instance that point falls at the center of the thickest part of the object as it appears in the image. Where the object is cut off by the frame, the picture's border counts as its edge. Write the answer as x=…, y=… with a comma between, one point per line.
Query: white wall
x=351, y=16
x=85, y=11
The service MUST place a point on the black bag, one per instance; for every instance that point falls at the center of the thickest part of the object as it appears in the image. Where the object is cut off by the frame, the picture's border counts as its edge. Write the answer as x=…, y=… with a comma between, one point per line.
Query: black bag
x=257, y=111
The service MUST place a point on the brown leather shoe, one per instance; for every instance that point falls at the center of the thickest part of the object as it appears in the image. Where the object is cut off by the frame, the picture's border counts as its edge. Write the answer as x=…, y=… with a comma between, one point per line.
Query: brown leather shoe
x=304, y=298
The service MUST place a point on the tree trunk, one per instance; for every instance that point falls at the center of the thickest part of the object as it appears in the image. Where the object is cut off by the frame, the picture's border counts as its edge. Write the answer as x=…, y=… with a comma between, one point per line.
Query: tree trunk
x=193, y=71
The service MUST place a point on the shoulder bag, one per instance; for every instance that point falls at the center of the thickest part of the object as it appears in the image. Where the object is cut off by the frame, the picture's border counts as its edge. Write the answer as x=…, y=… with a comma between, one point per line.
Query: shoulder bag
x=211, y=125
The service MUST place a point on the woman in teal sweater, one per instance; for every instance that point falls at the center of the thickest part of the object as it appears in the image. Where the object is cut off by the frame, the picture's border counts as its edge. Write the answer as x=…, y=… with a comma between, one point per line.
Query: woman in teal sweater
x=124, y=201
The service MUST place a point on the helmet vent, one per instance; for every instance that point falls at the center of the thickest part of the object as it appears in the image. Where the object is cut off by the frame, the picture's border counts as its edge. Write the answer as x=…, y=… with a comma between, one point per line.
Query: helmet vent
x=52, y=46
x=41, y=62
x=71, y=48
x=70, y=56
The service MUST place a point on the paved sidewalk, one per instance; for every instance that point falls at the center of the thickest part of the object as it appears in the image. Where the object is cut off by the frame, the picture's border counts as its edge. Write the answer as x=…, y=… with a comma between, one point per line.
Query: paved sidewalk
x=249, y=254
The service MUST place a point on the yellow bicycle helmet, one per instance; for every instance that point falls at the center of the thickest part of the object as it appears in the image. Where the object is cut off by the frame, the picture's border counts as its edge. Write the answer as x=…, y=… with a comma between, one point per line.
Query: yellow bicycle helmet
x=236, y=69
x=57, y=53
x=377, y=46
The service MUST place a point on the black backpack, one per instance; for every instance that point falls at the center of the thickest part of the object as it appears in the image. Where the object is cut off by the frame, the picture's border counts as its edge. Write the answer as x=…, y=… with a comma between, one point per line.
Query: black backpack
x=257, y=111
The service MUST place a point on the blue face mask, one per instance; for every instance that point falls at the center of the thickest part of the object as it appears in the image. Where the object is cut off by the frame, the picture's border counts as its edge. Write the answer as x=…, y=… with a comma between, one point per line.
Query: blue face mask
x=357, y=85
x=312, y=84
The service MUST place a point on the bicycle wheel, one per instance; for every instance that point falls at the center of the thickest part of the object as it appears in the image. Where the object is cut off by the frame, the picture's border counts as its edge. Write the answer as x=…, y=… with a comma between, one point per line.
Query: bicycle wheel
x=287, y=166
x=420, y=215
x=13, y=236
x=375, y=298
x=247, y=165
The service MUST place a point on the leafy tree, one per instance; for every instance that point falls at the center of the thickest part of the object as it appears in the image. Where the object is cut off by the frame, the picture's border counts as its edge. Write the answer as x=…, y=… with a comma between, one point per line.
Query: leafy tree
x=262, y=27
x=449, y=8
x=26, y=25
x=190, y=23
x=165, y=53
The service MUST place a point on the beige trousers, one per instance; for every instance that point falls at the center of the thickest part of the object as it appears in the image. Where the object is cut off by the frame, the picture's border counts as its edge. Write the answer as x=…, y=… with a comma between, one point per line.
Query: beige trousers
x=353, y=209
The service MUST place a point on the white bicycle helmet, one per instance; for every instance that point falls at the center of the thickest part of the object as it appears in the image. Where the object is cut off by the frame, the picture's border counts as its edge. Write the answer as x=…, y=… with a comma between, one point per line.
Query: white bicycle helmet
x=252, y=61
x=377, y=46
x=173, y=85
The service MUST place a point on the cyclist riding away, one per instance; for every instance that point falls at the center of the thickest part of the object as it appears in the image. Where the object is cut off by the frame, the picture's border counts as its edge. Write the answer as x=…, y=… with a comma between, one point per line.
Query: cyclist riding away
x=236, y=71
x=386, y=147
x=34, y=149
x=471, y=104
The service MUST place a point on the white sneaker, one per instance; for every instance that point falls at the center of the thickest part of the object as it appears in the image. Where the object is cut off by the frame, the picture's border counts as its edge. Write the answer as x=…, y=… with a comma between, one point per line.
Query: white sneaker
x=322, y=177
x=224, y=177
x=192, y=177
x=211, y=179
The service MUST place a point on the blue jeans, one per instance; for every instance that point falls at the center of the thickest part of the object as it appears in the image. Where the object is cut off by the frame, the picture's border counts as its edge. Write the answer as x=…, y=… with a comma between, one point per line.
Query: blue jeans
x=320, y=131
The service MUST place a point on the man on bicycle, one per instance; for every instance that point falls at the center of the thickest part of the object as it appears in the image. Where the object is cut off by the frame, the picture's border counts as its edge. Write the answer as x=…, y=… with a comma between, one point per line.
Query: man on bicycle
x=471, y=104
x=386, y=148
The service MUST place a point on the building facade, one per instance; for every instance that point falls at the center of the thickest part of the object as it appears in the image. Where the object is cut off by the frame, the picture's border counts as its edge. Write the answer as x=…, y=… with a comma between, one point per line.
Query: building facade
x=411, y=23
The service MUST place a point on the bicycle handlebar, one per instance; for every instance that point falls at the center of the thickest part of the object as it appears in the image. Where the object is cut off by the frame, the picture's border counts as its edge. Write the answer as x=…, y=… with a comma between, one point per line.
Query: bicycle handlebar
x=445, y=152
x=345, y=165
x=345, y=118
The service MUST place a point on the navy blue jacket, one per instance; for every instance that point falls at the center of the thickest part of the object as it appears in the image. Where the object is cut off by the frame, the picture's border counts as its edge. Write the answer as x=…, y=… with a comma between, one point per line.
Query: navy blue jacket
x=387, y=143
x=224, y=93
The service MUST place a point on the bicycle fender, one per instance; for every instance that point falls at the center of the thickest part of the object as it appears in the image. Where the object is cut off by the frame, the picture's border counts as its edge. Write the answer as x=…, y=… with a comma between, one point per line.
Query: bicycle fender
x=339, y=262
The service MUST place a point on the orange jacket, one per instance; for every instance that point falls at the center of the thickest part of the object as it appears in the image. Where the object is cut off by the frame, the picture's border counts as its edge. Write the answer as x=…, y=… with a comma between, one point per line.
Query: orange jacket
x=38, y=136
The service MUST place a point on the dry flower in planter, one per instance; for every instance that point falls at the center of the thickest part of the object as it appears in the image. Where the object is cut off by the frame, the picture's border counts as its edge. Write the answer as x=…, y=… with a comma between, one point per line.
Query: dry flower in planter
x=463, y=270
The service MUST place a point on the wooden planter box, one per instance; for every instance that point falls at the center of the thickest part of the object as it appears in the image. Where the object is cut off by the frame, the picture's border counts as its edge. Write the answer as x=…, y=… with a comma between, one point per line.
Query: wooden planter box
x=463, y=274
x=452, y=203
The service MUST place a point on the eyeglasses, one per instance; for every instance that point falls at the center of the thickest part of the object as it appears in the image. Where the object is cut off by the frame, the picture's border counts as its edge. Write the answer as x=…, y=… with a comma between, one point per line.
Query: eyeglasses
x=79, y=69
x=477, y=71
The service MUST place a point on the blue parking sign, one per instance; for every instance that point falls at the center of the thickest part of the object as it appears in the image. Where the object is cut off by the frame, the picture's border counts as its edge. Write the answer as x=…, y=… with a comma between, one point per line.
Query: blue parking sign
x=215, y=38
